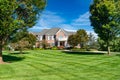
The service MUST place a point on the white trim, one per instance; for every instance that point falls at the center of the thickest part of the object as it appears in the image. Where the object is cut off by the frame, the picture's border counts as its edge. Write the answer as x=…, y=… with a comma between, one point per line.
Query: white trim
x=52, y=37
x=41, y=38
x=48, y=37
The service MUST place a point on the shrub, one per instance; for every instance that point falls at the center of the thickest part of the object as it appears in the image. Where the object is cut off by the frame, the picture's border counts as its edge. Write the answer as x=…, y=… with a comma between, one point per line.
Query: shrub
x=61, y=47
x=54, y=48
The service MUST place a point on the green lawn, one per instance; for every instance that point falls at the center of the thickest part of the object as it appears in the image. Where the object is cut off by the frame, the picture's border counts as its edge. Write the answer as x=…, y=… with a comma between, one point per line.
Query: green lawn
x=57, y=65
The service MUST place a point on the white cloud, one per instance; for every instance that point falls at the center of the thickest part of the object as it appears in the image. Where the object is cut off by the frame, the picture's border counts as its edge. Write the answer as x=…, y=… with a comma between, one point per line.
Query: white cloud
x=82, y=20
x=51, y=19
x=47, y=20
x=67, y=27
x=37, y=27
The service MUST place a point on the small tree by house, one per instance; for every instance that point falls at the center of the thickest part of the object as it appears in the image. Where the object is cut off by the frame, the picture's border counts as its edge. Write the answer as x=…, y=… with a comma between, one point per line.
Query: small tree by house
x=20, y=45
x=44, y=44
x=22, y=40
x=72, y=40
x=82, y=37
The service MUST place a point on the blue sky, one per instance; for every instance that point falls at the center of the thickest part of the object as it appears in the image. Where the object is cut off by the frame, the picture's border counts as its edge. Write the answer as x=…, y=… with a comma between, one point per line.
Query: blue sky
x=67, y=14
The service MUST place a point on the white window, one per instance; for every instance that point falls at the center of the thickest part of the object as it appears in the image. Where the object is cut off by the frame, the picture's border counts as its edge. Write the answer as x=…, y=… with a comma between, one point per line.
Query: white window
x=39, y=38
x=52, y=37
x=60, y=37
x=48, y=37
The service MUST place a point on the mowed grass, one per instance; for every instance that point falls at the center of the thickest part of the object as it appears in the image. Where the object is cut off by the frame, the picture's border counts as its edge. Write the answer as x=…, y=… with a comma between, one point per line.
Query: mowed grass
x=57, y=65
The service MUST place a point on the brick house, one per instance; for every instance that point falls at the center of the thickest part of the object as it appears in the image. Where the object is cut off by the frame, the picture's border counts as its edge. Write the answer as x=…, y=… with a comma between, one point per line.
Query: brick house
x=54, y=37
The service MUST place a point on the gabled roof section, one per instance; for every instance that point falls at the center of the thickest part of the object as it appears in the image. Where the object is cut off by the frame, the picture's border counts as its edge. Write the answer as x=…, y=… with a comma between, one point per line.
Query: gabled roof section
x=52, y=31
x=43, y=32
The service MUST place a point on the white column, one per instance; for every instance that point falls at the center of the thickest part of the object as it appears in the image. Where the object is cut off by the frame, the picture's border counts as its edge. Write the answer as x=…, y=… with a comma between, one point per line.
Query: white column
x=65, y=43
x=58, y=43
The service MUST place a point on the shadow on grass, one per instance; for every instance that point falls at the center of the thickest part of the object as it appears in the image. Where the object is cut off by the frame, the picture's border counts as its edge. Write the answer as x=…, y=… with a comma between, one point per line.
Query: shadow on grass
x=84, y=53
x=10, y=58
x=118, y=55
x=18, y=52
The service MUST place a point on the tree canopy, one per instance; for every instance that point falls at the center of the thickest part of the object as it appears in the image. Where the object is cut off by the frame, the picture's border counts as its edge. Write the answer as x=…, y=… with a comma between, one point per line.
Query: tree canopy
x=105, y=19
x=82, y=37
x=72, y=40
x=22, y=41
x=17, y=15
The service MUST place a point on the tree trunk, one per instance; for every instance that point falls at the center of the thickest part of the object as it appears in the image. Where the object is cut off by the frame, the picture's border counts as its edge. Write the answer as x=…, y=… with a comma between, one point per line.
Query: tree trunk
x=1, y=58
x=108, y=50
x=108, y=47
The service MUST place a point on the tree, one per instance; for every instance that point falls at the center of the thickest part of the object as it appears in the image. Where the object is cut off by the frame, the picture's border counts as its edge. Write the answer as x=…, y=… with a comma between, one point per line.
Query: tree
x=17, y=15
x=102, y=44
x=20, y=45
x=116, y=45
x=23, y=40
x=31, y=39
x=105, y=19
x=82, y=37
x=92, y=42
x=44, y=44
x=72, y=40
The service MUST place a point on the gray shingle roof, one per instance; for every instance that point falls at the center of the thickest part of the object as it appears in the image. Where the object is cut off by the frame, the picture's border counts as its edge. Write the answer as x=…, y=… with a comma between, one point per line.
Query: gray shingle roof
x=43, y=32
x=53, y=31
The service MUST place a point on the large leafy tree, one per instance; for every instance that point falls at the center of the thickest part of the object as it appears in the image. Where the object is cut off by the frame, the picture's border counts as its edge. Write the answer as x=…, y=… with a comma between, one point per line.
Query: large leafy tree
x=105, y=19
x=17, y=15
x=114, y=47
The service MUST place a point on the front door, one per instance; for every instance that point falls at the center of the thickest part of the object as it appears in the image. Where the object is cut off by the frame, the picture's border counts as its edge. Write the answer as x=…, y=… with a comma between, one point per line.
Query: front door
x=62, y=43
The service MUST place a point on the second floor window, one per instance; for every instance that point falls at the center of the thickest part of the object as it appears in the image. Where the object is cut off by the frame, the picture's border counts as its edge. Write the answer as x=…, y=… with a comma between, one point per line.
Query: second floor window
x=40, y=38
x=50, y=37
x=60, y=37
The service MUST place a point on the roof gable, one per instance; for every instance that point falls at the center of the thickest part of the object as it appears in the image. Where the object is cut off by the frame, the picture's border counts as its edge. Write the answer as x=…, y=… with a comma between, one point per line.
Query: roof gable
x=62, y=31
